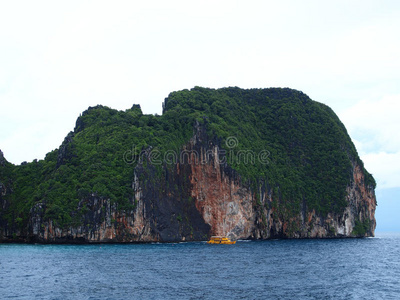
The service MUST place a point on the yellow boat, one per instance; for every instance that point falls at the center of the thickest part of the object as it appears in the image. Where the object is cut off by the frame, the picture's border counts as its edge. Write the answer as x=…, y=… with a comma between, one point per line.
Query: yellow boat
x=220, y=240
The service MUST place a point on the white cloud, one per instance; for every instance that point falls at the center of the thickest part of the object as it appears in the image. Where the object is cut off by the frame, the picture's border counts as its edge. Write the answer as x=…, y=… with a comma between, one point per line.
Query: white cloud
x=385, y=167
x=374, y=127
x=375, y=124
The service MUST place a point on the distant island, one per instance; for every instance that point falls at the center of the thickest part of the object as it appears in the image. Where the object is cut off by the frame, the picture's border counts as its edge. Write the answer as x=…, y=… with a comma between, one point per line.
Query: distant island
x=245, y=164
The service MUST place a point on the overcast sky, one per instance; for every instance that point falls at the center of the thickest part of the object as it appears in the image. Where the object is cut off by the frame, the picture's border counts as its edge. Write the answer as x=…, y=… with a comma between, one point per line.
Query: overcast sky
x=59, y=57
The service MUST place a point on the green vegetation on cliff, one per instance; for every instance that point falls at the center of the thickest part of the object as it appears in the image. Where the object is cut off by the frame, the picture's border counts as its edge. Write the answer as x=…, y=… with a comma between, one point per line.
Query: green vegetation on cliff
x=306, y=150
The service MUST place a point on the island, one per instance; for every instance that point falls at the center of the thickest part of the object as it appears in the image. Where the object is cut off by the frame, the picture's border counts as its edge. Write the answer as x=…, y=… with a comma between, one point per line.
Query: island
x=240, y=163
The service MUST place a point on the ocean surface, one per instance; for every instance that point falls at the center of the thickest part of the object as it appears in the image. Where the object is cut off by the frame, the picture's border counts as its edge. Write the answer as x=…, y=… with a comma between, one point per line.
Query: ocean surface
x=276, y=269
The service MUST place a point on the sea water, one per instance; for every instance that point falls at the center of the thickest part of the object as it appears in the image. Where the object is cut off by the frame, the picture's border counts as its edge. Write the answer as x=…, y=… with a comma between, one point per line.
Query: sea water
x=275, y=269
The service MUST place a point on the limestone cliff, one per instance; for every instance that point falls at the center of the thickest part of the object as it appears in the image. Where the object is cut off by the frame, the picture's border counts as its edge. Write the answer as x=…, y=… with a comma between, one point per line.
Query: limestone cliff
x=85, y=192
x=195, y=198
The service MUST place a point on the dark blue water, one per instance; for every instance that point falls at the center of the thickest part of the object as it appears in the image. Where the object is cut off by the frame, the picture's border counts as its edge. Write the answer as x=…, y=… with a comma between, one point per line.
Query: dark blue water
x=281, y=269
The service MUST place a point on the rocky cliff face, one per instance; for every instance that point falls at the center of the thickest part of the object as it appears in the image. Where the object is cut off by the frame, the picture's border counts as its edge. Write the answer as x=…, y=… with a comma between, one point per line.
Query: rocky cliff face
x=231, y=207
x=102, y=222
x=194, y=198
x=308, y=224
